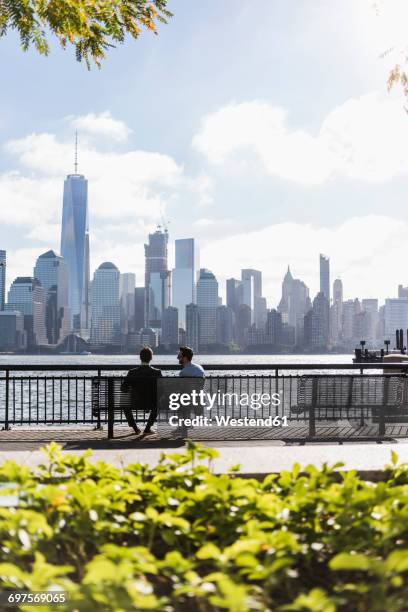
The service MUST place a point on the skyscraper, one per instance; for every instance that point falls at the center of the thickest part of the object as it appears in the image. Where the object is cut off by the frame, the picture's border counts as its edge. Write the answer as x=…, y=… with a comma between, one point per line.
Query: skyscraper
x=294, y=304
x=316, y=323
x=13, y=337
x=140, y=304
x=157, y=277
x=52, y=273
x=105, y=322
x=207, y=302
x=336, y=312
x=252, y=291
x=325, y=276
x=75, y=247
x=127, y=301
x=370, y=307
x=26, y=295
x=2, y=279
x=170, y=335
x=184, y=276
x=273, y=327
x=351, y=310
x=224, y=325
x=192, y=326
x=234, y=294
x=396, y=317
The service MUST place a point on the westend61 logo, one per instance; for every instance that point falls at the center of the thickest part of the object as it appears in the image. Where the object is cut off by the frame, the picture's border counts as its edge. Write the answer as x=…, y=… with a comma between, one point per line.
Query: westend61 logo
x=197, y=401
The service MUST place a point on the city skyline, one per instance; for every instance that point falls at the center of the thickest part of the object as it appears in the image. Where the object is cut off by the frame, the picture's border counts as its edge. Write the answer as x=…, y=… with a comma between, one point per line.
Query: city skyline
x=232, y=145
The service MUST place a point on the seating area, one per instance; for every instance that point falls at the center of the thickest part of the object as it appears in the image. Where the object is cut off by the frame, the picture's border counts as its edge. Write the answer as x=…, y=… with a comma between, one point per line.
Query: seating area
x=360, y=400
x=366, y=403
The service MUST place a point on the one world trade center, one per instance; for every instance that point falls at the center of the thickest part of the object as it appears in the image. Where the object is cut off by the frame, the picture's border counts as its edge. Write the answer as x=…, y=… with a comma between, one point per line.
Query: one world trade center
x=75, y=247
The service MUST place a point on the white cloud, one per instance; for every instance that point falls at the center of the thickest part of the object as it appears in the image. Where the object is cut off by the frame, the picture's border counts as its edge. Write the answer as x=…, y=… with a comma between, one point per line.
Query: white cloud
x=129, y=192
x=364, y=138
x=101, y=124
x=133, y=185
x=368, y=253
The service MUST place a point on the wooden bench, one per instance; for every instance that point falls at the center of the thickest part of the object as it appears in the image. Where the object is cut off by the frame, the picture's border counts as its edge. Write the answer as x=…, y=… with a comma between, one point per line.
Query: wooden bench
x=109, y=400
x=359, y=399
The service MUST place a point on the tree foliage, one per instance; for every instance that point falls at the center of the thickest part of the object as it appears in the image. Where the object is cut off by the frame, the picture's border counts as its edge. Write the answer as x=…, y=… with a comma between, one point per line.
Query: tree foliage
x=91, y=26
x=398, y=76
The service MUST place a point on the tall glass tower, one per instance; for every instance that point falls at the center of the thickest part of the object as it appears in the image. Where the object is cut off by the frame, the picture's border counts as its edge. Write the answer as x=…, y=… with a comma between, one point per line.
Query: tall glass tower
x=184, y=277
x=2, y=279
x=325, y=276
x=51, y=271
x=157, y=277
x=75, y=247
x=105, y=327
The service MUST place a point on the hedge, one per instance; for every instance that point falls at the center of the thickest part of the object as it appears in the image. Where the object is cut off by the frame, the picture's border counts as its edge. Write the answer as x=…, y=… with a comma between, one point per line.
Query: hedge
x=177, y=537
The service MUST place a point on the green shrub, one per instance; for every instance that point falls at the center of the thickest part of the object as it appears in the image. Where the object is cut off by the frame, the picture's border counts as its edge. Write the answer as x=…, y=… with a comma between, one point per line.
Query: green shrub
x=178, y=537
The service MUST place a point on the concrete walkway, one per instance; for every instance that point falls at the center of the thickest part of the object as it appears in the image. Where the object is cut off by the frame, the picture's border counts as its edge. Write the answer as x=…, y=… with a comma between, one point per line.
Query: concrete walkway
x=255, y=457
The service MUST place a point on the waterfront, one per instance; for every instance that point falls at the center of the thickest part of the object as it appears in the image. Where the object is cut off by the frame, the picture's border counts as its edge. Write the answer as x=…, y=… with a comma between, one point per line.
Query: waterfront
x=96, y=360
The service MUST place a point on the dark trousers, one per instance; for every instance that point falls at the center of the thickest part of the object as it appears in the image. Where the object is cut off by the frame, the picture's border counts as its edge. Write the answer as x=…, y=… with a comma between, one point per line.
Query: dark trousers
x=128, y=412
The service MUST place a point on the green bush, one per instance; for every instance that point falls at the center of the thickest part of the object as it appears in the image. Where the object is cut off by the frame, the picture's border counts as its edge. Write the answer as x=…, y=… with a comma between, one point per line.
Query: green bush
x=177, y=537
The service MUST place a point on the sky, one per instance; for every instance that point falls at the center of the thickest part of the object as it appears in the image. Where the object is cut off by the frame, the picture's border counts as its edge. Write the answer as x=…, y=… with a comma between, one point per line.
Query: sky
x=263, y=129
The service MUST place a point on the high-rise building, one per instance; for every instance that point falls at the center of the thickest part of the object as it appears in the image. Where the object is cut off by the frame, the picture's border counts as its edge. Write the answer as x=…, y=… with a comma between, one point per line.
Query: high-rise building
x=396, y=317
x=234, y=294
x=351, y=310
x=273, y=327
x=207, y=302
x=26, y=295
x=75, y=248
x=140, y=304
x=370, y=307
x=3, y=268
x=127, y=287
x=169, y=329
x=192, y=326
x=402, y=291
x=184, y=276
x=13, y=337
x=260, y=313
x=157, y=277
x=224, y=325
x=336, y=312
x=294, y=304
x=325, y=276
x=316, y=321
x=251, y=289
x=248, y=273
x=51, y=271
x=243, y=324
x=105, y=320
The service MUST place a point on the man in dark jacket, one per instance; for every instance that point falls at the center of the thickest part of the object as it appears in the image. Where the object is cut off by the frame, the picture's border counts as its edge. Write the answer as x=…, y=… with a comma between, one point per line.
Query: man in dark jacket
x=141, y=383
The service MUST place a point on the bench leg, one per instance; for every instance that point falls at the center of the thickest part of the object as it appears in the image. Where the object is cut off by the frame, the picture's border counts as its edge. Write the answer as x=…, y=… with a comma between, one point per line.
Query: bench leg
x=111, y=417
x=312, y=422
x=111, y=408
x=381, y=422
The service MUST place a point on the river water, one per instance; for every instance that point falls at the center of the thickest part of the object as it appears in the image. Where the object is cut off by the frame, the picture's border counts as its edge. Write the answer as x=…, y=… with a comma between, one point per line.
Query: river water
x=95, y=360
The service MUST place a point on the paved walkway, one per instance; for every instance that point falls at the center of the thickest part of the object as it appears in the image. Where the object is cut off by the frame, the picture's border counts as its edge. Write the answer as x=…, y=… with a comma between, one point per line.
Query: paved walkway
x=254, y=456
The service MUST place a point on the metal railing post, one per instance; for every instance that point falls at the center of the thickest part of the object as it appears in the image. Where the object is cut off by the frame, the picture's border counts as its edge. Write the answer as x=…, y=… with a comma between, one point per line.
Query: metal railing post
x=312, y=414
x=98, y=417
x=383, y=407
x=6, y=412
x=111, y=407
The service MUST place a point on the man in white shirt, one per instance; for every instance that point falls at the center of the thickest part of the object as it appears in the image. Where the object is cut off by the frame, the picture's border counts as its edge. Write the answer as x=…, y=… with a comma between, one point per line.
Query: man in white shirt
x=190, y=369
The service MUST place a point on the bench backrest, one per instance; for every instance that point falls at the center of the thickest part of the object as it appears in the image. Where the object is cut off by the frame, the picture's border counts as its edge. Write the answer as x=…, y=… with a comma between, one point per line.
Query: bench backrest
x=352, y=391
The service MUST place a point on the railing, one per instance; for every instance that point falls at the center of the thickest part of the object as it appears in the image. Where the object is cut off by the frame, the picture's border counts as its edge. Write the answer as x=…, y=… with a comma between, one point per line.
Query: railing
x=319, y=400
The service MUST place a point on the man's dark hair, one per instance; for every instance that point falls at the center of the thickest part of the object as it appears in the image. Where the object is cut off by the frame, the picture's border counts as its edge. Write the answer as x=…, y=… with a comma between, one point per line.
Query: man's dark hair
x=146, y=354
x=186, y=351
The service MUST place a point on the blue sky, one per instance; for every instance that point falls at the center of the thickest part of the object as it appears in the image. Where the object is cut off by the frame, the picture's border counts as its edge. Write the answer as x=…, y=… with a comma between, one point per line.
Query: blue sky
x=262, y=128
